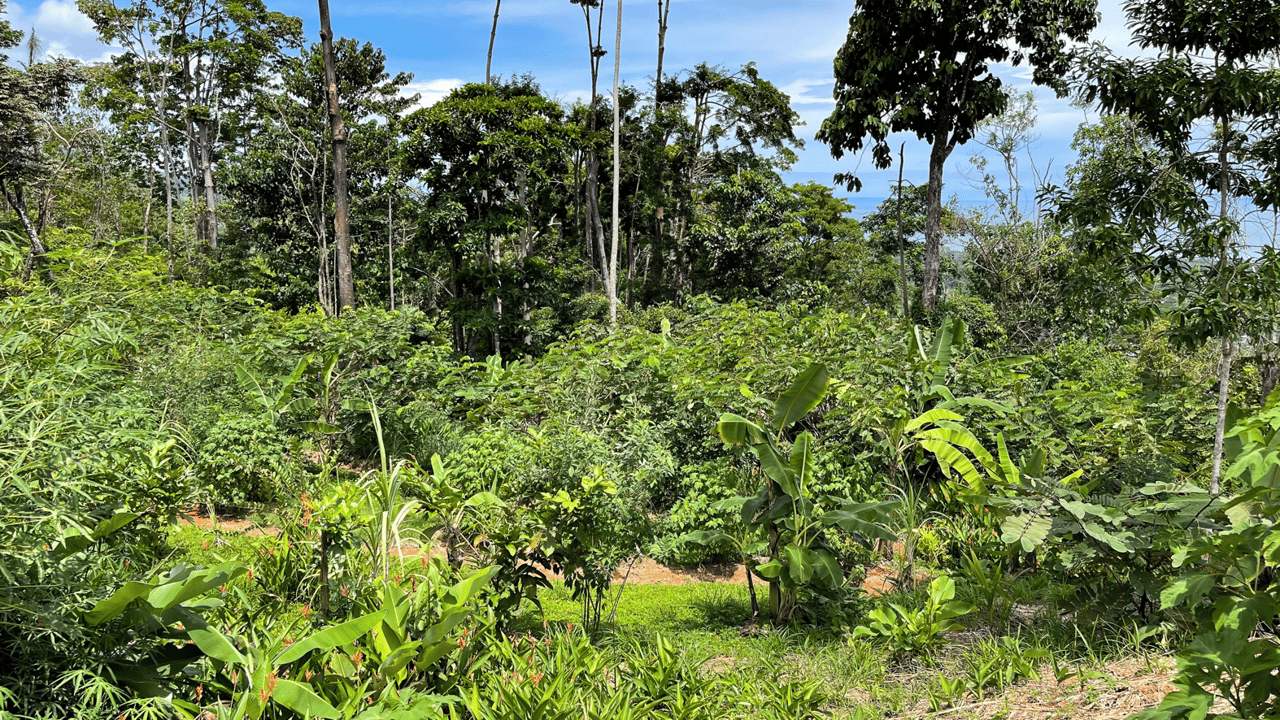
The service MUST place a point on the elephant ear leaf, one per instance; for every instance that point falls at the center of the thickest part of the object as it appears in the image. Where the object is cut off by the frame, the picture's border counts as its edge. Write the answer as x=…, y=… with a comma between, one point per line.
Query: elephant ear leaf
x=802, y=397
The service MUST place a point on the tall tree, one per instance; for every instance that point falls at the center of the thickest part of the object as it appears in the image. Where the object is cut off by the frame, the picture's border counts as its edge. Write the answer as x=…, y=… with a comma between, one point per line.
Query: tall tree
x=280, y=184
x=201, y=59
x=27, y=99
x=341, y=197
x=1206, y=107
x=492, y=158
x=594, y=225
x=924, y=66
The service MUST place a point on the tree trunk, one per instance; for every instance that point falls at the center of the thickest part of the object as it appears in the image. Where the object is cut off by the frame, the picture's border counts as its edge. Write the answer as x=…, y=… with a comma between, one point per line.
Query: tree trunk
x=391, y=260
x=324, y=570
x=594, y=223
x=612, y=288
x=902, y=241
x=932, y=290
x=664, y=10
x=1224, y=366
x=341, y=200
x=36, y=252
x=210, y=210
x=488, y=78
x=1220, y=427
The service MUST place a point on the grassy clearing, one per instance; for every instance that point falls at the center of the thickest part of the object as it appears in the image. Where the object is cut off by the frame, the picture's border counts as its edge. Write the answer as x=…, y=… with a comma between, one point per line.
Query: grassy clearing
x=1078, y=669
x=860, y=678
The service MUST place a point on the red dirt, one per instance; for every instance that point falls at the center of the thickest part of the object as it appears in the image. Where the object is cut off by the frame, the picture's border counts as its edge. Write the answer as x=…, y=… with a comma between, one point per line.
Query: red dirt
x=879, y=580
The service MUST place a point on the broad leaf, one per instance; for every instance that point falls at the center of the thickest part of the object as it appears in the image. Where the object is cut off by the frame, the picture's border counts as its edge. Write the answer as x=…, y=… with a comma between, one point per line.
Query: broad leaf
x=302, y=700
x=802, y=397
x=329, y=638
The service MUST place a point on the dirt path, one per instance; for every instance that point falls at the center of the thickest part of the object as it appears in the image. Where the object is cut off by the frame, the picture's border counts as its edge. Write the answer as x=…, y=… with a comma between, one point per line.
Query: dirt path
x=647, y=571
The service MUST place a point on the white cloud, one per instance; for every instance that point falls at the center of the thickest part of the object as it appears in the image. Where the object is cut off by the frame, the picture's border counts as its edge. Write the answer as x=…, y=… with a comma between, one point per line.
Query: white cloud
x=63, y=16
x=798, y=91
x=432, y=91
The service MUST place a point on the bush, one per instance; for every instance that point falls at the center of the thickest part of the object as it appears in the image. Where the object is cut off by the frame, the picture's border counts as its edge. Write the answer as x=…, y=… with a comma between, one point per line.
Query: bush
x=245, y=459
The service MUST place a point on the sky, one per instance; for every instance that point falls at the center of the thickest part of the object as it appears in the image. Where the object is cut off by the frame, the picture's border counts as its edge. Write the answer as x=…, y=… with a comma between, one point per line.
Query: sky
x=792, y=43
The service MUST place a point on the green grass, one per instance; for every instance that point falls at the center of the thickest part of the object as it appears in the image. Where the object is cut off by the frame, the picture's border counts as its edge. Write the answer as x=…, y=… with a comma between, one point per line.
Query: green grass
x=706, y=622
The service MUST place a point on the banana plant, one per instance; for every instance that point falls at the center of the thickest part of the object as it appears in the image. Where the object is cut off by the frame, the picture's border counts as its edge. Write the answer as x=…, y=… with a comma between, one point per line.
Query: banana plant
x=784, y=510
x=165, y=616
x=338, y=670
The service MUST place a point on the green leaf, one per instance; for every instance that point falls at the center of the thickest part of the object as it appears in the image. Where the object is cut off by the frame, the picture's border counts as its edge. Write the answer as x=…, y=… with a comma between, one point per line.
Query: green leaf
x=1029, y=530
x=302, y=700
x=770, y=570
x=212, y=642
x=776, y=466
x=1118, y=541
x=329, y=638
x=119, y=601
x=737, y=430
x=863, y=520
x=827, y=572
x=802, y=397
x=802, y=462
x=462, y=592
x=1188, y=588
x=932, y=417
x=798, y=566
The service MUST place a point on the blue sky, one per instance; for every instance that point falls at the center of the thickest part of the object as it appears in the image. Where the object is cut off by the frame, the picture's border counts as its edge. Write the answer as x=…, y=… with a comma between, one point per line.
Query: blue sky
x=792, y=42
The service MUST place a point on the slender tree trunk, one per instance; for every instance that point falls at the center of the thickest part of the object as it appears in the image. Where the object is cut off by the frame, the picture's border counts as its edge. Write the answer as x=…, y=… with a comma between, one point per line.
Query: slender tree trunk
x=391, y=261
x=1224, y=366
x=167, y=152
x=324, y=572
x=932, y=291
x=341, y=200
x=324, y=283
x=36, y=251
x=594, y=223
x=1220, y=426
x=664, y=10
x=612, y=290
x=902, y=242
x=210, y=210
x=488, y=65
x=146, y=210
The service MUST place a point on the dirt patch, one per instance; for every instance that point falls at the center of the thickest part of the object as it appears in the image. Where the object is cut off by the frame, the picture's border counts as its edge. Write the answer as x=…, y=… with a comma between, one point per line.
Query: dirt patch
x=880, y=580
x=1126, y=687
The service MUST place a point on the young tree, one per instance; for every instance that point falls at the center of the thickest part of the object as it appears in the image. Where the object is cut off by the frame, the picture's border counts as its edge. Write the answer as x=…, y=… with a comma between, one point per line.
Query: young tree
x=491, y=157
x=924, y=67
x=1150, y=212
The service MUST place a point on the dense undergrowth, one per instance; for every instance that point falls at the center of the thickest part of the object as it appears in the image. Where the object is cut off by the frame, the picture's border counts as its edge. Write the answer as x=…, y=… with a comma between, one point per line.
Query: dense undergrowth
x=1065, y=480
